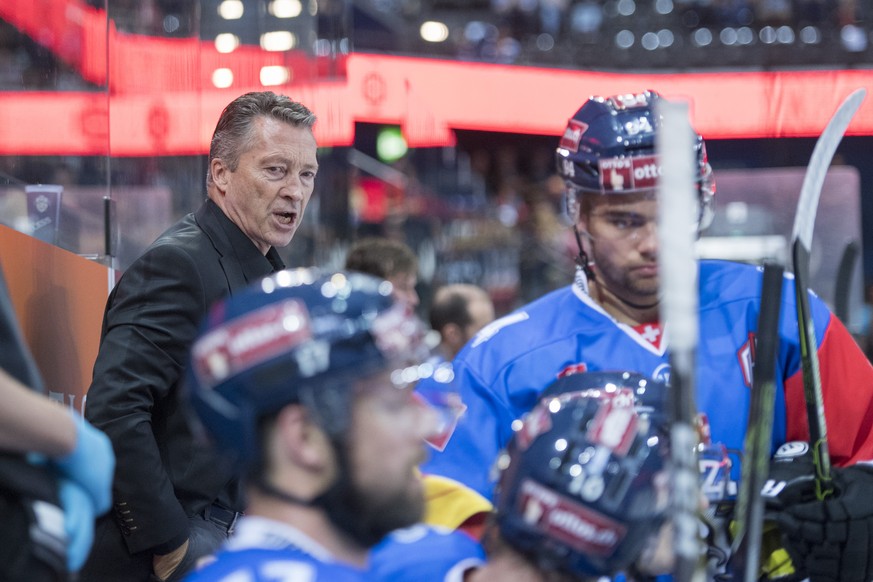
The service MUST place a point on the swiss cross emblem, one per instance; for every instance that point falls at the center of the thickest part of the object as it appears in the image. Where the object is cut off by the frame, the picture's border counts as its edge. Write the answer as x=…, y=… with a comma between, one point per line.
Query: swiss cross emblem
x=651, y=332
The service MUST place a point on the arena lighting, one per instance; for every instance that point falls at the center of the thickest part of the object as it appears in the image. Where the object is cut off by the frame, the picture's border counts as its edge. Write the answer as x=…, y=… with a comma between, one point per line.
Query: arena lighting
x=853, y=38
x=222, y=78
x=231, y=9
x=278, y=40
x=275, y=75
x=664, y=7
x=390, y=144
x=285, y=8
x=433, y=31
x=624, y=39
x=810, y=35
x=785, y=35
x=226, y=42
x=702, y=37
x=626, y=7
x=767, y=35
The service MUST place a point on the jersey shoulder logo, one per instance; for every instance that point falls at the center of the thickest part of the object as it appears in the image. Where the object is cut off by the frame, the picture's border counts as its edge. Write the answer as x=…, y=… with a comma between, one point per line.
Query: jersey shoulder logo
x=746, y=359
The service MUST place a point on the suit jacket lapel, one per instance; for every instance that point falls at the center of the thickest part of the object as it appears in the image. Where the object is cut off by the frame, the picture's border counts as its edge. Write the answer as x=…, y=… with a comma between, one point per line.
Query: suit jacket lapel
x=241, y=260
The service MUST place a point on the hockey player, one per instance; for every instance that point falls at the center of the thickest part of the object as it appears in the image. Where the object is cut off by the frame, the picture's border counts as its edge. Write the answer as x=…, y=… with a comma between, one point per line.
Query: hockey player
x=582, y=493
x=609, y=318
x=305, y=380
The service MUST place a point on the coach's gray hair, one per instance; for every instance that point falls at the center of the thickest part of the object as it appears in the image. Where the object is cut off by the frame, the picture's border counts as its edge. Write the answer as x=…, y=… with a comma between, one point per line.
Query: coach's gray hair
x=233, y=133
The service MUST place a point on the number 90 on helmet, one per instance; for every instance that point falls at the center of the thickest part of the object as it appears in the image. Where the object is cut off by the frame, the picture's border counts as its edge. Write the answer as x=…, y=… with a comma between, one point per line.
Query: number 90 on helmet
x=298, y=336
x=583, y=484
x=608, y=148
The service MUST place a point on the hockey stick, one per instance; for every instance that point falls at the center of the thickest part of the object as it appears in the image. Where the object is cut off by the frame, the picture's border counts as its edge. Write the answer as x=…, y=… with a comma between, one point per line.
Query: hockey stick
x=801, y=245
x=749, y=515
x=843, y=284
x=677, y=219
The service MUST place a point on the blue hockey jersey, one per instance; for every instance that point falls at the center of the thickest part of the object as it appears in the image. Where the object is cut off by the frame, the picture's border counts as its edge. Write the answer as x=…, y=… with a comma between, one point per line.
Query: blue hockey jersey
x=262, y=550
x=503, y=369
x=424, y=552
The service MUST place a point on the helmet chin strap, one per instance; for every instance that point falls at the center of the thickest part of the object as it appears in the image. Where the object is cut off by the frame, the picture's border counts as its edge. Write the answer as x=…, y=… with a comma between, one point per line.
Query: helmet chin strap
x=582, y=261
x=273, y=491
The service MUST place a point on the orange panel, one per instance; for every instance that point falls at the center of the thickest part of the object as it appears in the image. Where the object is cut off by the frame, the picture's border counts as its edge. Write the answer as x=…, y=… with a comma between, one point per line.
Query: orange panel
x=59, y=299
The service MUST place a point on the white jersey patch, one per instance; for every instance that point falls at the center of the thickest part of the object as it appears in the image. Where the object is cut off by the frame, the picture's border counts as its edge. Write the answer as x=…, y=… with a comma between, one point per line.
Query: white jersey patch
x=490, y=330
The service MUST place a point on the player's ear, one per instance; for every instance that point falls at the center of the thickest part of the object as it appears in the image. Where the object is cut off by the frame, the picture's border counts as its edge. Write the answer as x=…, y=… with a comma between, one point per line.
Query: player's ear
x=299, y=439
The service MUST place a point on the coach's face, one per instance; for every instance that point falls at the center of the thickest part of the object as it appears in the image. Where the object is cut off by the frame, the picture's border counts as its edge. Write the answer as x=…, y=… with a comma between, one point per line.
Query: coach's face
x=267, y=193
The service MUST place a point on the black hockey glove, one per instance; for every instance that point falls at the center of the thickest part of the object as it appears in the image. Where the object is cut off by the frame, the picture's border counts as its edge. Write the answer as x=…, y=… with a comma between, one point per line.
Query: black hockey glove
x=830, y=540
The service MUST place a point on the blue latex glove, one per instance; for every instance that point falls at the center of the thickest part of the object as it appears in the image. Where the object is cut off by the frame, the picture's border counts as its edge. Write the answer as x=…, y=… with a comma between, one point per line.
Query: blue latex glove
x=91, y=465
x=79, y=519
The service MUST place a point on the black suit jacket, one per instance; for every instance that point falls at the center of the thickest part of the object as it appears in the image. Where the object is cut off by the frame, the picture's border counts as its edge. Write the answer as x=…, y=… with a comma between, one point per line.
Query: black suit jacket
x=163, y=473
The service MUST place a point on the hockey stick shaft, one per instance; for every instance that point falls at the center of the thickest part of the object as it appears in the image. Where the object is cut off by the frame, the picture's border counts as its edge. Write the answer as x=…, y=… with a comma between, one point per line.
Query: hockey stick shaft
x=812, y=389
x=746, y=555
x=677, y=207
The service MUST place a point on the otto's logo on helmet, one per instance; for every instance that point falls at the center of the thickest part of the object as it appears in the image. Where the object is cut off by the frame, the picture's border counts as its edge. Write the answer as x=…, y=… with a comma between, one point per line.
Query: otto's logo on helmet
x=250, y=340
x=639, y=173
x=573, y=135
x=568, y=521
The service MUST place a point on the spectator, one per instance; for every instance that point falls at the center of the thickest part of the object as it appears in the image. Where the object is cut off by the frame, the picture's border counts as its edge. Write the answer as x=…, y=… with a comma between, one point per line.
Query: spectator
x=389, y=259
x=175, y=501
x=459, y=311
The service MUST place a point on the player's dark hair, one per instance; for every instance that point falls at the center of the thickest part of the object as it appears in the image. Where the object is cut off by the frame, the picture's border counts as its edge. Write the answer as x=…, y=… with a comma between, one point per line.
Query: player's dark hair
x=452, y=308
x=382, y=257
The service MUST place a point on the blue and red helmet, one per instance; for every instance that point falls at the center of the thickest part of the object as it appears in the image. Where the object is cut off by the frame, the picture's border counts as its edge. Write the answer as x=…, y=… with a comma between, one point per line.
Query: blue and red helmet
x=608, y=147
x=298, y=336
x=583, y=484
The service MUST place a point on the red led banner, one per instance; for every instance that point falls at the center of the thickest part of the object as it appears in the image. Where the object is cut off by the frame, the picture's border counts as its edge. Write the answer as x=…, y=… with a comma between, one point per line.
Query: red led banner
x=160, y=99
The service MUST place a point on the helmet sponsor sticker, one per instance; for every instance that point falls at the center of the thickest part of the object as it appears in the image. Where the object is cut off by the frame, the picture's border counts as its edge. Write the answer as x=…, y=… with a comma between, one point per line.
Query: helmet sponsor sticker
x=579, y=368
x=250, y=339
x=573, y=135
x=629, y=174
x=615, y=424
x=536, y=422
x=628, y=101
x=562, y=518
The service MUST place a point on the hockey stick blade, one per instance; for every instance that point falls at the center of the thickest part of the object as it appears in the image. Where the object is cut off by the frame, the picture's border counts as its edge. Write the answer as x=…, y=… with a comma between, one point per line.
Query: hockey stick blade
x=801, y=246
x=822, y=154
x=677, y=209
x=746, y=550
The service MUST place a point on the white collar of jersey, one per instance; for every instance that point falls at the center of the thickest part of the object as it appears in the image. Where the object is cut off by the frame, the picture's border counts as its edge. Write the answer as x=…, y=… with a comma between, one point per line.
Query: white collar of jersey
x=581, y=280
x=255, y=532
x=627, y=329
